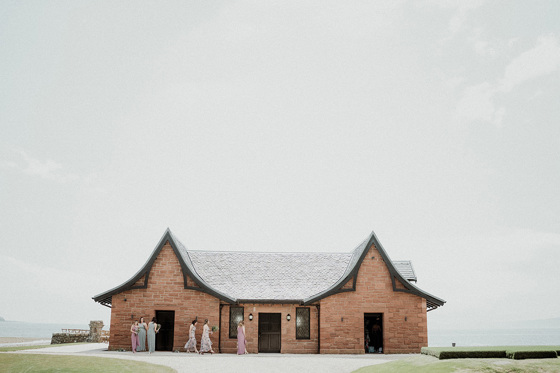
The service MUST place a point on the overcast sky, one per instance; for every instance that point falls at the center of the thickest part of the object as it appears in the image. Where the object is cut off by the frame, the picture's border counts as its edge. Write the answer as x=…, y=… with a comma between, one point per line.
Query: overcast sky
x=281, y=126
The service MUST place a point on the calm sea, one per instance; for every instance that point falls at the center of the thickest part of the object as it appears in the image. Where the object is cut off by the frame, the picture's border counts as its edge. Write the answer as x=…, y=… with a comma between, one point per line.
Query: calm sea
x=34, y=330
x=436, y=338
x=494, y=337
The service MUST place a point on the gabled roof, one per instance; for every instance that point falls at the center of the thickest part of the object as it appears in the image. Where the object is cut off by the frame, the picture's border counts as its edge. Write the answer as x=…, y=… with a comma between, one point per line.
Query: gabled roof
x=260, y=277
x=186, y=265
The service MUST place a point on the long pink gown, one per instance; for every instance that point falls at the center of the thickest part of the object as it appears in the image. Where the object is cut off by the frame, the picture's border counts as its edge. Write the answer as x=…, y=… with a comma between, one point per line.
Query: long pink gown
x=134, y=338
x=241, y=341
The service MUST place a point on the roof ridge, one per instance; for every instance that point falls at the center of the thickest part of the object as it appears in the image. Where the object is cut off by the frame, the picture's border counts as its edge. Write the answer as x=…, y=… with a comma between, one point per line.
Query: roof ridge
x=269, y=252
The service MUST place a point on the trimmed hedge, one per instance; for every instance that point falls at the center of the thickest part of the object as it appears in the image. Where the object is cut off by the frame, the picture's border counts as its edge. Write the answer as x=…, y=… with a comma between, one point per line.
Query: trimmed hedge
x=461, y=353
x=498, y=354
x=511, y=352
x=519, y=355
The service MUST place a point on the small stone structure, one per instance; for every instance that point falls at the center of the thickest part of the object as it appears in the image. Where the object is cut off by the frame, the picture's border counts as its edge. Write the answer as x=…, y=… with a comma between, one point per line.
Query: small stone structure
x=94, y=335
x=95, y=328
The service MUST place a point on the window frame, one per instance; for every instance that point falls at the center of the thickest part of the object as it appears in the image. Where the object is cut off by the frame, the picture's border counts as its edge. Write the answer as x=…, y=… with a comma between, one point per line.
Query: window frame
x=308, y=315
x=233, y=331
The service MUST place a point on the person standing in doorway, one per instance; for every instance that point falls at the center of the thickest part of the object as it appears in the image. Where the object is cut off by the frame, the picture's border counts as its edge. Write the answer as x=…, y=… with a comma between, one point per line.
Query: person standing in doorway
x=153, y=328
x=205, y=342
x=241, y=341
x=134, y=336
x=191, y=343
x=142, y=328
x=377, y=337
x=367, y=339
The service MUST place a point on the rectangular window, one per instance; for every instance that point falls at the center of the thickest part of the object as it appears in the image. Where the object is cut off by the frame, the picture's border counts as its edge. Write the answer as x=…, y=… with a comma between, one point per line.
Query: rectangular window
x=235, y=316
x=302, y=323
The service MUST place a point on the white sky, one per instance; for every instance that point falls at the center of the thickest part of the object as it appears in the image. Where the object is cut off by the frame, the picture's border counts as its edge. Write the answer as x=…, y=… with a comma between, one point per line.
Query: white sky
x=281, y=126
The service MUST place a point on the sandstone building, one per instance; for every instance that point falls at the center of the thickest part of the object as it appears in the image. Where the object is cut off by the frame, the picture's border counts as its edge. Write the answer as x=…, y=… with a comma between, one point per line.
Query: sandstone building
x=291, y=302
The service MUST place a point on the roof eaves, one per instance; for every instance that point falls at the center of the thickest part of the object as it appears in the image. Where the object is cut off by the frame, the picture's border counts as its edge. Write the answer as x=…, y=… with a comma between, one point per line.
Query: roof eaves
x=413, y=289
x=188, y=268
x=145, y=270
x=351, y=270
x=186, y=265
x=271, y=301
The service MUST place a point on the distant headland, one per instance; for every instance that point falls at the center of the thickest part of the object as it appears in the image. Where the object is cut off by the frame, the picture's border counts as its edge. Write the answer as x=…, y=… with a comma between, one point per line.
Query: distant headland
x=2, y=319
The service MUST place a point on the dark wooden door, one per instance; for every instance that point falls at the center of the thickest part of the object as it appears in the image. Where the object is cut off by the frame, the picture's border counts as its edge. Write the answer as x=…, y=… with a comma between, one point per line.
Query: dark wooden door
x=270, y=333
x=164, y=338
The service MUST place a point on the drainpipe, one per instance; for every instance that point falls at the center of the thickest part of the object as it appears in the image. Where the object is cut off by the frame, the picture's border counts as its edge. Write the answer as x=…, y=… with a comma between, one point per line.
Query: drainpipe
x=220, y=329
x=319, y=328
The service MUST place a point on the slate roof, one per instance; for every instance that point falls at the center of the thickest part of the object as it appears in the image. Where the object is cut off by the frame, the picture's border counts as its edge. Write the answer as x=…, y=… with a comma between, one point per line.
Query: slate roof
x=405, y=269
x=243, y=277
x=273, y=276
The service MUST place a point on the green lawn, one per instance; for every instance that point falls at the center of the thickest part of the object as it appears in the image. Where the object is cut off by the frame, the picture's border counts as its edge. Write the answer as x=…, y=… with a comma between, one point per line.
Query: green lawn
x=19, y=348
x=15, y=363
x=430, y=364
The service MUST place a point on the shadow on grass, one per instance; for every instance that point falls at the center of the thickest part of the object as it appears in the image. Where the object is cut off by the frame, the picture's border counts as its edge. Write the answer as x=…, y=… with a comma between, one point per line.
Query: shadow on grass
x=13, y=363
x=430, y=364
x=35, y=347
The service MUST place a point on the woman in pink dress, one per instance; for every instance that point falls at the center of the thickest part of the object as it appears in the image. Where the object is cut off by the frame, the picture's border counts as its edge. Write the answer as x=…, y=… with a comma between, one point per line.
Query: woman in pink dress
x=134, y=336
x=241, y=341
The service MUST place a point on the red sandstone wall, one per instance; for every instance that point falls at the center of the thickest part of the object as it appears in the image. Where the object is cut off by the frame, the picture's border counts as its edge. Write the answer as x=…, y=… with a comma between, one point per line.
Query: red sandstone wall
x=289, y=344
x=165, y=292
x=342, y=315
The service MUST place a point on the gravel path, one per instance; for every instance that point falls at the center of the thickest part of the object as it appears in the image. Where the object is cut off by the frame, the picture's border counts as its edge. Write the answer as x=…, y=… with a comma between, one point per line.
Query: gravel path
x=183, y=362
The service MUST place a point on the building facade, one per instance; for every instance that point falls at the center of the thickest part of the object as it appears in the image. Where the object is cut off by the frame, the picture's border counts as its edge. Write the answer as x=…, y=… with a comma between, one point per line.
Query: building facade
x=350, y=303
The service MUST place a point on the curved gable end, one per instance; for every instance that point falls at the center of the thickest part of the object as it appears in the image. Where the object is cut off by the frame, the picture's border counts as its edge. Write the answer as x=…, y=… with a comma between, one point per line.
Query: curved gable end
x=141, y=278
x=432, y=302
x=350, y=274
x=299, y=278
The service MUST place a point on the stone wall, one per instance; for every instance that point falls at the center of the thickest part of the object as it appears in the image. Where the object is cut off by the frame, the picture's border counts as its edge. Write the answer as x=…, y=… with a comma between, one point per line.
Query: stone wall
x=59, y=338
x=94, y=335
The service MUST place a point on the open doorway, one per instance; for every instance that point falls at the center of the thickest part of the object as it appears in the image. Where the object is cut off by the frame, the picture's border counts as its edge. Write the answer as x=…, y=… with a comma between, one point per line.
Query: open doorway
x=164, y=338
x=373, y=333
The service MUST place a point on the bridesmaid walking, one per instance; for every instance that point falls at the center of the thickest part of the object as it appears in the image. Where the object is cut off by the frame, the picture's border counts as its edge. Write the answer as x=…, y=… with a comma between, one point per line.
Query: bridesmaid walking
x=191, y=343
x=134, y=336
x=152, y=330
x=142, y=328
x=205, y=342
x=241, y=341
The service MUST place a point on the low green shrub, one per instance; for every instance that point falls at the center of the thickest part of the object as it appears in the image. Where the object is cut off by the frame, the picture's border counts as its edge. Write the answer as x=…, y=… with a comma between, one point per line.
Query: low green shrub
x=475, y=354
x=519, y=355
x=501, y=352
x=444, y=353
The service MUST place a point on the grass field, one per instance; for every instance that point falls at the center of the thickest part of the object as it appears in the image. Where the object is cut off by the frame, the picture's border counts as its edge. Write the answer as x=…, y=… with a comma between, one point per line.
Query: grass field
x=34, y=347
x=16, y=363
x=430, y=364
